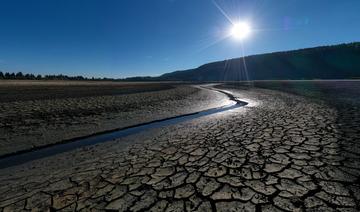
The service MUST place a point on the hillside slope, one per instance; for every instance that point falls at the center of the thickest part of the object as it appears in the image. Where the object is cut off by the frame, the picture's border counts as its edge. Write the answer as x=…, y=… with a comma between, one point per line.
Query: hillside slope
x=326, y=62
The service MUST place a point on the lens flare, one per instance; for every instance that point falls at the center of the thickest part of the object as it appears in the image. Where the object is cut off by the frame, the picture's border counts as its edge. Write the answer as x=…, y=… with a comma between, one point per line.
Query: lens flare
x=240, y=30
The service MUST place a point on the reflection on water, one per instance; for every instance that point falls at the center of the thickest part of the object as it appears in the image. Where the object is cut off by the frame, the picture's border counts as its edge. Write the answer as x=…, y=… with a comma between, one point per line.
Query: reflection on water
x=112, y=135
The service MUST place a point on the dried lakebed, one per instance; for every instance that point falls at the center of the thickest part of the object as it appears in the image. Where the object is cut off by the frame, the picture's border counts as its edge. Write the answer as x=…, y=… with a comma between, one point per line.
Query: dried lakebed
x=46, y=151
x=61, y=112
x=281, y=152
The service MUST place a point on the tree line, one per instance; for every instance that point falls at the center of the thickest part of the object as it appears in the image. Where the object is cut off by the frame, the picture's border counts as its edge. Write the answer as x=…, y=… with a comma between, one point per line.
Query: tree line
x=325, y=62
x=21, y=76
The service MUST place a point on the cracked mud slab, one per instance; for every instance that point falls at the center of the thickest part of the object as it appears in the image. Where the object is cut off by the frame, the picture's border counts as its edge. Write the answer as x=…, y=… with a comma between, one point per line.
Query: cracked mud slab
x=59, y=112
x=281, y=152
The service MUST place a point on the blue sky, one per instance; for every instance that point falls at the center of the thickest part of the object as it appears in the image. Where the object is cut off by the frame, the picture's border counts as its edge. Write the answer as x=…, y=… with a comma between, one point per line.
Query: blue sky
x=121, y=38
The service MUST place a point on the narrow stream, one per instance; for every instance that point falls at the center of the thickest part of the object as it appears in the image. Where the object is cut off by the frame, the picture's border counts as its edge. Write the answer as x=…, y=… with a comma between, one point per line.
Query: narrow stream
x=42, y=152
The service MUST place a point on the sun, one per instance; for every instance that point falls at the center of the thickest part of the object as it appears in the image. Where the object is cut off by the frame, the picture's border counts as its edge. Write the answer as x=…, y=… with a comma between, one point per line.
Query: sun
x=240, y=30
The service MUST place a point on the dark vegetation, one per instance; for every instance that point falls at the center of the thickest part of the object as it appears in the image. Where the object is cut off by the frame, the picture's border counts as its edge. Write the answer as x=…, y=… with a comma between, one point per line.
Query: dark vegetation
x=326, y=62
x=21, y=76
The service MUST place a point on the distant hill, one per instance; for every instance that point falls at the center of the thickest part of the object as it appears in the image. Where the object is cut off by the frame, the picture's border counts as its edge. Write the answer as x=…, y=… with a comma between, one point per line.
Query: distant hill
x=326, y=62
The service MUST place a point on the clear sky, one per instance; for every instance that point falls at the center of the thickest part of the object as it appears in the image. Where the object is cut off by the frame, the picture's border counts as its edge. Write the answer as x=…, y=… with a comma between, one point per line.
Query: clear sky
x=121, y=38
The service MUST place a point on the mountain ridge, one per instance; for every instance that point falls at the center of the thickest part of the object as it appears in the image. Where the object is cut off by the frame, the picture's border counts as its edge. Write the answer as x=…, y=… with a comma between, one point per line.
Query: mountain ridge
x=340, y=61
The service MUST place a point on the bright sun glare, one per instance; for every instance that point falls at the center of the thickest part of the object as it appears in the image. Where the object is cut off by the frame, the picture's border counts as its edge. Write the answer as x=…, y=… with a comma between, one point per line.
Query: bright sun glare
x=240, y=30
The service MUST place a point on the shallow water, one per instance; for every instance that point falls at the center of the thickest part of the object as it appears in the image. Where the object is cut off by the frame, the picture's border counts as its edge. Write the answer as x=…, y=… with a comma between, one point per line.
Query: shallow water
x=20, y=158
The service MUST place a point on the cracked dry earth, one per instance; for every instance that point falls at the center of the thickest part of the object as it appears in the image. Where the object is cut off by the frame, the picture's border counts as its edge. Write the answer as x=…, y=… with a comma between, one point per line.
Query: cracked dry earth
x=281, y=152
x=27, y=124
